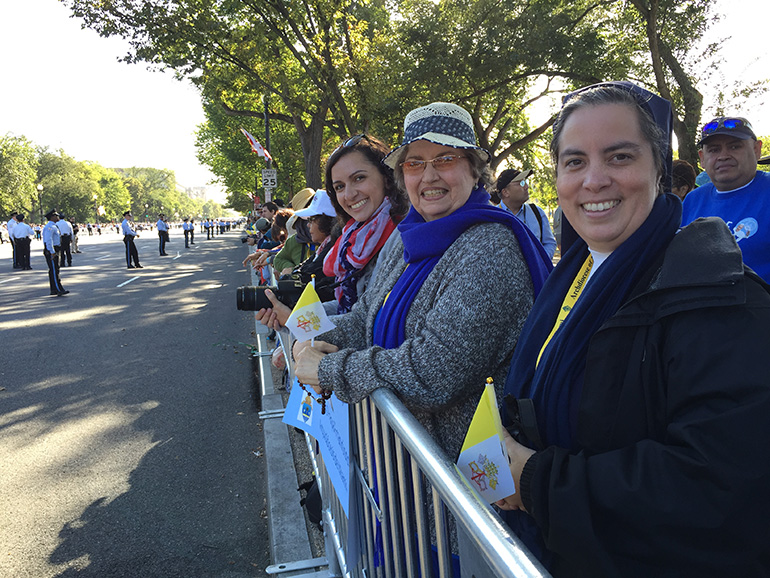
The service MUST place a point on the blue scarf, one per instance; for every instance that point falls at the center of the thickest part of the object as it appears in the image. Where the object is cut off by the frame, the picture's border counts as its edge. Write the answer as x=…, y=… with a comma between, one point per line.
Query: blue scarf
x=556, y=385
x=426, y=242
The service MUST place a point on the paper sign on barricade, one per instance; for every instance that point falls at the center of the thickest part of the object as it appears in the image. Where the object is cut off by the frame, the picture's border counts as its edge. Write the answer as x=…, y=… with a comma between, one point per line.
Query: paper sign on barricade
x=329, y=429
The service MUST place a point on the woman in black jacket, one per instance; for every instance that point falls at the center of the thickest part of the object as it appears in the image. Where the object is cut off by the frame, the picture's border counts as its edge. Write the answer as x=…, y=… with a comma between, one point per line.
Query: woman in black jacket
x=647, y=360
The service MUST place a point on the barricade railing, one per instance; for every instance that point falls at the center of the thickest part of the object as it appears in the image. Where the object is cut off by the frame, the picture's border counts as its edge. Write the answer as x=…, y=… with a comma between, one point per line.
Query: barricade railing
x=406, y=498
x=395, y=454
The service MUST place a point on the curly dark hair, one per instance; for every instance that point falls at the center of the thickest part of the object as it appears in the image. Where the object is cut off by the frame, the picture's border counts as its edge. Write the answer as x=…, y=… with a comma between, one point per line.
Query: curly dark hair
x=374, y=150
x=325, y=223
x=278, y=229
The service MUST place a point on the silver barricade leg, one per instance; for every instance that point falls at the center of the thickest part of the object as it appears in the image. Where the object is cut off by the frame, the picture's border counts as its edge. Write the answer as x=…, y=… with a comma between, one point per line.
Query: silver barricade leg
x=421, y=521
x=404, y=465
x=442, y=542
x=391, y=494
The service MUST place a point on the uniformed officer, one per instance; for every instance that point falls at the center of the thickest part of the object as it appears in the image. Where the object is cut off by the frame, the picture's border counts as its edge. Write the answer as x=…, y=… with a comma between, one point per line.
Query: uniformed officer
x=22, y=236
x=162, y=226
x=187, y=228
x=129, y=234
x=51, y=248
x=65, y=255
x=10, y=225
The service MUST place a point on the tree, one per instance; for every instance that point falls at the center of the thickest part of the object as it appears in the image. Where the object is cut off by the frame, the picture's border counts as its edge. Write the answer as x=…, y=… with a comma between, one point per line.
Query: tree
x=223, y=147
x=335, y=69
x=765, y=151
x=152, y=191
x=294, y=51
x=669, y=27
x=68, y=185
x=113, y=194
x=17, y=175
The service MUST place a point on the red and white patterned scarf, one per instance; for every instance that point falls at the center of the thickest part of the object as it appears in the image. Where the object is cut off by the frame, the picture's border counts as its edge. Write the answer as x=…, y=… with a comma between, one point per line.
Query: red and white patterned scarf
x=356, y=246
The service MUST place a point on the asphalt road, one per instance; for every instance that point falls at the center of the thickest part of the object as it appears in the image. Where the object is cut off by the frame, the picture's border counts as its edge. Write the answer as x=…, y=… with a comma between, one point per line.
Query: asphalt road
x=130, y=444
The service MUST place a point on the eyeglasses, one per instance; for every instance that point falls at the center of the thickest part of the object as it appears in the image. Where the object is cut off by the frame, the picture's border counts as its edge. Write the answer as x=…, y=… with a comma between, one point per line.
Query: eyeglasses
x=442, y=163
x=522, y=182
x=728, y=123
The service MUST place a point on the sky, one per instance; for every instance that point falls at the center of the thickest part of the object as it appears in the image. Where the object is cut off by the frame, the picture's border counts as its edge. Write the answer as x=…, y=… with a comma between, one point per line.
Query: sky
x=62, y=87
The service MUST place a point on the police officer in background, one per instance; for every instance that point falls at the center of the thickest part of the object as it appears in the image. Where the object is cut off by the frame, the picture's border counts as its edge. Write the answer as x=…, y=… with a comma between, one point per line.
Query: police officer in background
x=162, y=226
x=12, y=222
x=128, y=239
x=22, y=234
x=51, y=248
x=187, y=227
x=65, y=256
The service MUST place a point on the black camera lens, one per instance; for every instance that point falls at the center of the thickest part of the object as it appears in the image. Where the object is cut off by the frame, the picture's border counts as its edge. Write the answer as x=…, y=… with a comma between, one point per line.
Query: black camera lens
x=252, y=298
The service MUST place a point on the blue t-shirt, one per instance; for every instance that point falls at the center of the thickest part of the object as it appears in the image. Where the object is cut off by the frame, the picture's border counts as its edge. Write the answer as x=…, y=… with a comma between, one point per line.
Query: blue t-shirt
x=747, y=214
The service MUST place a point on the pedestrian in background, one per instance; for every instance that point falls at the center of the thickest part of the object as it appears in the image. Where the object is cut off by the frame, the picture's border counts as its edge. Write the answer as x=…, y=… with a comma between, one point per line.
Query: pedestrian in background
x=75, y=230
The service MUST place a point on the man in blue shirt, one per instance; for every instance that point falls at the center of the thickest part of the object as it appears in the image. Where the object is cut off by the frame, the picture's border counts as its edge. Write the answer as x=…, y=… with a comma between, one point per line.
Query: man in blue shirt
x=738, y=193
x=513, y=189
x=162, y=226
x=51, y=248
x=129, y=234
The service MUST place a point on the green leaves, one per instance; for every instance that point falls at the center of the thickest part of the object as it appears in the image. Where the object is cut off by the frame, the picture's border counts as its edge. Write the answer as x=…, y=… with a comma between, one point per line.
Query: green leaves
x=17, y=175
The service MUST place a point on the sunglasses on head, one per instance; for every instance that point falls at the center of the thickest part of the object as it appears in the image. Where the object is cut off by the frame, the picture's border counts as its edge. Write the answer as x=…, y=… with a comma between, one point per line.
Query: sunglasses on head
x=728, y=123
x=351, y=142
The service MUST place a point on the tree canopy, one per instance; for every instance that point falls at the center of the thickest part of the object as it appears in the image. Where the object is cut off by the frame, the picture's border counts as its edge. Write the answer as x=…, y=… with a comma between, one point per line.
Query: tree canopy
x=330, y=70
x=34, y=179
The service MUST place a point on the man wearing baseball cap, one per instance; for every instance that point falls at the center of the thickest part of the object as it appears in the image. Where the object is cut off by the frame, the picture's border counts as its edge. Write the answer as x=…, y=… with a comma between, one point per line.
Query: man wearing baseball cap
x=738, y=193
x=512, y=187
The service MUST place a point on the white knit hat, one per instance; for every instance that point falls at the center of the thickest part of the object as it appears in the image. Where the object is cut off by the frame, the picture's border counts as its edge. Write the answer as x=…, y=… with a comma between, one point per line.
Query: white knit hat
x=441, y=123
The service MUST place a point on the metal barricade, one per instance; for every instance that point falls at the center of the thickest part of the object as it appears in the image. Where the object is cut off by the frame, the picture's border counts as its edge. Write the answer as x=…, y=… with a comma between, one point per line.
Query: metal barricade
x=404, y=490
x=395, y=525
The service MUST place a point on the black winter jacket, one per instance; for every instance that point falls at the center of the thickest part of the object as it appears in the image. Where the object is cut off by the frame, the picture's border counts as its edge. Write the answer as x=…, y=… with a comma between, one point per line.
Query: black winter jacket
x=673, y=474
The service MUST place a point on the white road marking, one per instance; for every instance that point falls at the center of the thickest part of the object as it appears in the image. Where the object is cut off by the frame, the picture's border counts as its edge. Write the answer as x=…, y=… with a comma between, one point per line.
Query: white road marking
x=129, y=281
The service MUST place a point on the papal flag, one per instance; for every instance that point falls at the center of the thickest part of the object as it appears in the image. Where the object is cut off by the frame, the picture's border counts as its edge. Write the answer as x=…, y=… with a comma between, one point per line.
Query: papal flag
x=255, y=146
x=308, y=318
x=483, y=459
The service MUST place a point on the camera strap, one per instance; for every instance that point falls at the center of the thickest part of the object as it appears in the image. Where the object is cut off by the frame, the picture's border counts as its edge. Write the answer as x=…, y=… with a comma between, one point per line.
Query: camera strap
x=523, y=426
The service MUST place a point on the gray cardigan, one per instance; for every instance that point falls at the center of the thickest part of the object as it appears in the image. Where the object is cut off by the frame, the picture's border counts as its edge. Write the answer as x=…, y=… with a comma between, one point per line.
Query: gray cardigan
x=461, y=328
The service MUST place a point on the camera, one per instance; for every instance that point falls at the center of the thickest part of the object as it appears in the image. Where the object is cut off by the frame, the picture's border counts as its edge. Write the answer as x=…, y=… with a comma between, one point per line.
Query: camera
x=253, y=298
x=247, y=237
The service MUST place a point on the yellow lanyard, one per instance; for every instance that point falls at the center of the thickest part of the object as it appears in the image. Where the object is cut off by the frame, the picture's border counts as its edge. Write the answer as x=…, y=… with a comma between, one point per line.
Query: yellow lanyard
x=569, y=301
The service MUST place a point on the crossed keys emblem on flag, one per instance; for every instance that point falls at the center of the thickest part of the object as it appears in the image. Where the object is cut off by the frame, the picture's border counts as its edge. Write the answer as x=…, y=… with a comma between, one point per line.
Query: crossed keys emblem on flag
x=309, y=322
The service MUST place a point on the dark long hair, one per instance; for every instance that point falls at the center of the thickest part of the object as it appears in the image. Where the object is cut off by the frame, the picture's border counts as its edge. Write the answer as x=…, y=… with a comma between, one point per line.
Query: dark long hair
x=374, y=150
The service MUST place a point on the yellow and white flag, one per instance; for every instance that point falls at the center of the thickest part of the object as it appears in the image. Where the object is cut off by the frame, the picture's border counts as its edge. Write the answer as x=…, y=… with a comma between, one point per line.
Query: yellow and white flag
x=308, y=318
x=483, y=459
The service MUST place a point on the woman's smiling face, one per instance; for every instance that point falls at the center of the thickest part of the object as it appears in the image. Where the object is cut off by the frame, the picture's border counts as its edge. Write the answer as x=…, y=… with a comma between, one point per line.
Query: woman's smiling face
x=358, y=186
x=436, y=193
x=606, y=179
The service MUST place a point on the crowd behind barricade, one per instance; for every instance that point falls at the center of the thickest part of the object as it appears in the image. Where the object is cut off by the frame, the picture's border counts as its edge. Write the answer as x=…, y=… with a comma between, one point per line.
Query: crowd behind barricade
x=632, y=377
